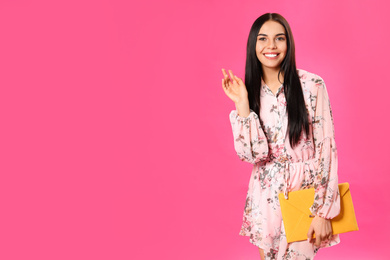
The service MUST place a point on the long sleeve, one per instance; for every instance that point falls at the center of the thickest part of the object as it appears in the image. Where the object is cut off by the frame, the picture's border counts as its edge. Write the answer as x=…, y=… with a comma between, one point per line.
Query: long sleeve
x=327, y=198
x=250, y=141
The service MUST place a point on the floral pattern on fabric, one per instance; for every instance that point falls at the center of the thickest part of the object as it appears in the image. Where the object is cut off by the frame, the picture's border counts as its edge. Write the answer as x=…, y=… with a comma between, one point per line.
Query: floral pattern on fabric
x=277, y=167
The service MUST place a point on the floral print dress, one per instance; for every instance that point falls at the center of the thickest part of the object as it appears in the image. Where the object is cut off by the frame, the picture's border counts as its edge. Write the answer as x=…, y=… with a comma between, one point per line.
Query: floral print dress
x=279, y=168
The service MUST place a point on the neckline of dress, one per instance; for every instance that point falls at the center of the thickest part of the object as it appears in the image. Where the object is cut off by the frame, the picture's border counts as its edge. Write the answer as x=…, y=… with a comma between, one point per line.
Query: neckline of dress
x=269, y=90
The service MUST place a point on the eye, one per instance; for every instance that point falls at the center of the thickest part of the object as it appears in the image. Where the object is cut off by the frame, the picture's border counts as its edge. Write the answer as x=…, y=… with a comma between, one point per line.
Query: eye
x=280, y=38
x=262, y=39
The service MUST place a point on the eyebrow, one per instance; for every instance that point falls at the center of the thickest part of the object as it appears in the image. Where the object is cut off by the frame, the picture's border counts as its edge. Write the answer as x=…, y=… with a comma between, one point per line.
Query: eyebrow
x=263, y=34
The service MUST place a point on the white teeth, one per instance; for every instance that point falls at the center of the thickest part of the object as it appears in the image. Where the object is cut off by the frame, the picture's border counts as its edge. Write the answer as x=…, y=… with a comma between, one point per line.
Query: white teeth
x=270, y=55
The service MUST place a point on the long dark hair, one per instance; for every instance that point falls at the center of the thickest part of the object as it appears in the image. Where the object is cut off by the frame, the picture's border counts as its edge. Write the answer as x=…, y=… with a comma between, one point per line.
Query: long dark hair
x=297, y=115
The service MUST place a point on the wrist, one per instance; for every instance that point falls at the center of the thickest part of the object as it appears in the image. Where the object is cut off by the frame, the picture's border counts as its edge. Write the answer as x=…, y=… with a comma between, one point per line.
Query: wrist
x=243, y=109
x=244, y=102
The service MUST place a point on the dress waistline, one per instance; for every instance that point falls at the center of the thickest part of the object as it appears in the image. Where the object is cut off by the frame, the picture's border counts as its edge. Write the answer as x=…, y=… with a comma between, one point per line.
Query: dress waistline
x=288, y=166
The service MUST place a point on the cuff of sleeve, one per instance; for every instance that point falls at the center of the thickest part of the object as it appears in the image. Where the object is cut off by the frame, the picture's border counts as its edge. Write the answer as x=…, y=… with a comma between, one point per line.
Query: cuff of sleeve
x=315, y=211
x=322, y=216
x=234, y=115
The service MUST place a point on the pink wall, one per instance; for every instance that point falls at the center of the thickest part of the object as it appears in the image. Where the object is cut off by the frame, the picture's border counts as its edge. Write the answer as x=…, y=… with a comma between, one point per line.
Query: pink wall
x=115, y=140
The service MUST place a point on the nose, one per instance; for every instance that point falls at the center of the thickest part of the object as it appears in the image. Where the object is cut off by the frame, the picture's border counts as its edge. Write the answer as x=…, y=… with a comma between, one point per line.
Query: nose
x=272, y=45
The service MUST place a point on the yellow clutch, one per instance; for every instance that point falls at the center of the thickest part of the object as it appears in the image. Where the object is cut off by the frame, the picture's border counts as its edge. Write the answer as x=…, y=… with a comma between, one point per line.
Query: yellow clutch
x=296, y=213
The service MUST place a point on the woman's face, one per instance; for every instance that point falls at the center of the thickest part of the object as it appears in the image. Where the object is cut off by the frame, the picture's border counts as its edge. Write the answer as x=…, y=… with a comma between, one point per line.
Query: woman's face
x=271, y=45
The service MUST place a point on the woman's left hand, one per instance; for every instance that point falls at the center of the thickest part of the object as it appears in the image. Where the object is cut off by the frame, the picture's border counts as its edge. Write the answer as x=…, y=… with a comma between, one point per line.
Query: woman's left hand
x=322, y=228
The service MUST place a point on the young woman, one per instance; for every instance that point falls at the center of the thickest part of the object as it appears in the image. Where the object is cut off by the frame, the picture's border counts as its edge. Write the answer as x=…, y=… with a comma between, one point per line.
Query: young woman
x=283, y=125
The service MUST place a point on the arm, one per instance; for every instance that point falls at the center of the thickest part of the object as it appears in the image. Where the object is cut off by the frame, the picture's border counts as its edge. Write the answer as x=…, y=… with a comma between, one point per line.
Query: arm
x=327, y=199
x=250, y=141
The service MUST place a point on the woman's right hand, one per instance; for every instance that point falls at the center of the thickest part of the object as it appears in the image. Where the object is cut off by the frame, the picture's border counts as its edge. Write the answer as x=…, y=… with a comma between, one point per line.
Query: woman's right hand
x=234, y=88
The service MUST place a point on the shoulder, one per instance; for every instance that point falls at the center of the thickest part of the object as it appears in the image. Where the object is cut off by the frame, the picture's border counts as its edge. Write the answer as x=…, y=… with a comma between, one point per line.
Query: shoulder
x=311, y=81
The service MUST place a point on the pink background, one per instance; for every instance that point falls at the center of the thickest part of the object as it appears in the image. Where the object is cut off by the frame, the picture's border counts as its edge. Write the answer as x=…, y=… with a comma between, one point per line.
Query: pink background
x=115, y=139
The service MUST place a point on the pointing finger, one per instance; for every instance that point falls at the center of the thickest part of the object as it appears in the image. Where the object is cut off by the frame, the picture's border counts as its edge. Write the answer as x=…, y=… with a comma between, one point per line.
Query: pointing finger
x=231, y=74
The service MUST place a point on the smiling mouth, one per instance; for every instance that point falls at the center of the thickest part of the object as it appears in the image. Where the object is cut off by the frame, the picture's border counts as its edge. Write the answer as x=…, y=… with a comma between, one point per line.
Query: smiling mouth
x=273, y=55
